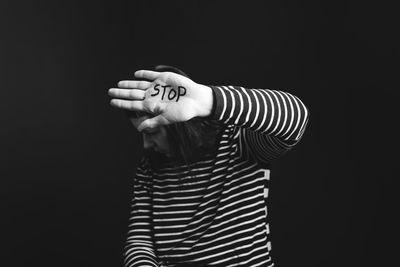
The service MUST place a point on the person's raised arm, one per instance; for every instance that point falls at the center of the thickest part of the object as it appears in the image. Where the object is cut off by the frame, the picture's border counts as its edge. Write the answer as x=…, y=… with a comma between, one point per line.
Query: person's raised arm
x=271, y=121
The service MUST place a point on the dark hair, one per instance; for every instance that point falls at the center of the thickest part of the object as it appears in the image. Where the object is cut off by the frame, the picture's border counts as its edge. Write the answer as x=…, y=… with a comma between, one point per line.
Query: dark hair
x=193, y=139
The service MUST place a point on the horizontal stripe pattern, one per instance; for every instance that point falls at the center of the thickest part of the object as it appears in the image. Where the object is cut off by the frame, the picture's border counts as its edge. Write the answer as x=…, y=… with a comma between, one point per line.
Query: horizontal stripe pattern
x=270, y=121
x=215, y=214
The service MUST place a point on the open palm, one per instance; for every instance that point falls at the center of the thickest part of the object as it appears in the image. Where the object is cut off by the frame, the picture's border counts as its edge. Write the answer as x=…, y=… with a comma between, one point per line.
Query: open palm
x=166, y=96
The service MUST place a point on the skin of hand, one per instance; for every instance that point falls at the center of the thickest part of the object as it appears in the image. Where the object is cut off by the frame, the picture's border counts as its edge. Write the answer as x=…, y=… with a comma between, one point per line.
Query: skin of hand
x=166, y=96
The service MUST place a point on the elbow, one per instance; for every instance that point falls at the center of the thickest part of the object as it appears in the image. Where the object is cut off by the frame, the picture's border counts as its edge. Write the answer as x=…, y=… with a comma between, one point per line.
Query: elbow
x=304, y=118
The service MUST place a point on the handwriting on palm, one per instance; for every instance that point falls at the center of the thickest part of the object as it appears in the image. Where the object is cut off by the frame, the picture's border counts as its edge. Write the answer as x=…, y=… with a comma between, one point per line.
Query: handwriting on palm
x=167, y=96
x=170, y=96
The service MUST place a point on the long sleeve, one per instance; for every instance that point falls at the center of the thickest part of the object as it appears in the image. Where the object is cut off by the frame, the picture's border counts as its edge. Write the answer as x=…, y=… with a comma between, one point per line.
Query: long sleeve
x=139, y=248
x=270, y=121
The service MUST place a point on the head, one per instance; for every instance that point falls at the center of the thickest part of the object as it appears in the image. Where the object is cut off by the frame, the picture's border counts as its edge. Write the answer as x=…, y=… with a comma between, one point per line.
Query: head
x=154, y=140
x=183, y=142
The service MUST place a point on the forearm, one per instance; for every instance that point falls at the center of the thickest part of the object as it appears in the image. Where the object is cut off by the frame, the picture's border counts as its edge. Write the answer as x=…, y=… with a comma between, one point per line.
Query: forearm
x=270, y=112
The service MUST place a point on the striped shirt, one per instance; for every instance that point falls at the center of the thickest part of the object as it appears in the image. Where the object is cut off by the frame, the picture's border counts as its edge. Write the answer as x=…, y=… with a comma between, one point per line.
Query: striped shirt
x=216, y=213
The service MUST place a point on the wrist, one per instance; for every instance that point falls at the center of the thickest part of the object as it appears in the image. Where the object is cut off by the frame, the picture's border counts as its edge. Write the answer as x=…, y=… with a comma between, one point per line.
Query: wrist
x=205, y=102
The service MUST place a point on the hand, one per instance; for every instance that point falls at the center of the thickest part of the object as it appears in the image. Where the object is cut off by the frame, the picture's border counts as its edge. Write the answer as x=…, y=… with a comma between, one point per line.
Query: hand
x=168, y=97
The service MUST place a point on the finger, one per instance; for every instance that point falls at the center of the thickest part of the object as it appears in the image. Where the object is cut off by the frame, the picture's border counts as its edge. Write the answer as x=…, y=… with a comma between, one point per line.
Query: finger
x=133, y=94
x=143, y=85
x=127, y=104
x=152, y=123
x=147, y=74
x=137, y=121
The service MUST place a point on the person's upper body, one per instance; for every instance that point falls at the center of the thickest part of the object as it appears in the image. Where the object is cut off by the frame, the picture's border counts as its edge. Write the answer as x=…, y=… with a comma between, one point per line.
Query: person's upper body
x=206, y=208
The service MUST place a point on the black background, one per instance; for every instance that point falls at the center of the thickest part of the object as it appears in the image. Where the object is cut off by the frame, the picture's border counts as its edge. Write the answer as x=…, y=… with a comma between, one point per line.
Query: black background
x=67, y=157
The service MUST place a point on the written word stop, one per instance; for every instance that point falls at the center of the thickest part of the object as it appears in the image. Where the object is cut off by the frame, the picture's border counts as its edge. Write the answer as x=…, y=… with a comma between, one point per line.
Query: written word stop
x=172, y=94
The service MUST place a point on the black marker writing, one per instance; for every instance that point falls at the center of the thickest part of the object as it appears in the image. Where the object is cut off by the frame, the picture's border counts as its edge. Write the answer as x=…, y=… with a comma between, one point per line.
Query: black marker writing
x=169, y=94
x=165, y=87
x=156, y=88
x=172, y=92
x=179, y=92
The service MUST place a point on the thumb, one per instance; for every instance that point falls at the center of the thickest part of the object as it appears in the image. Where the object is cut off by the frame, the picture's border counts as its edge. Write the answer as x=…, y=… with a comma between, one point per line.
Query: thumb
x=152, y=123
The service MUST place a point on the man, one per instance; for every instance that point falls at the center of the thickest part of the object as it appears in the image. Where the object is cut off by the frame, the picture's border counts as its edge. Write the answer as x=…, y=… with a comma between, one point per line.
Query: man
x=199, y=189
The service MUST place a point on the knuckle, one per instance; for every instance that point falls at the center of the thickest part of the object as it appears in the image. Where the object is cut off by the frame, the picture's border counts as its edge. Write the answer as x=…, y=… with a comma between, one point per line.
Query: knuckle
x=146, y=85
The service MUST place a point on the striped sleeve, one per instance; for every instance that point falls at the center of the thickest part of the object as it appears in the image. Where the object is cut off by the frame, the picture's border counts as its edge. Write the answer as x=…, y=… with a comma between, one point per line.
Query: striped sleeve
x=271, y=121
x=139, y=247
